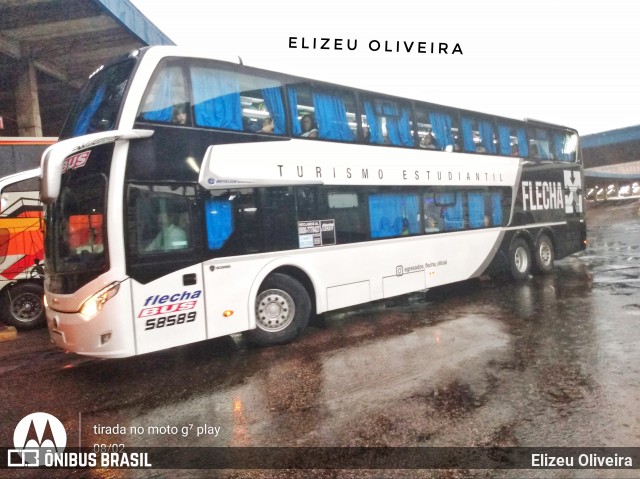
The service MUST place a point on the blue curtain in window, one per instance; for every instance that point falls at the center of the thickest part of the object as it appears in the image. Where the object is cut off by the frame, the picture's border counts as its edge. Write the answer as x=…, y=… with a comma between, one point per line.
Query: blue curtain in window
x=273, y=100
x=292, y=96
x=393, y=215
x=385, y=215
x=411, y=213
x=454, y=215
x=446, y=199
x=331, y=117
x=467, y=135
x=496, y=206
x=399, y=129
x=216, y=99
x=219, y=218
x=441, y=127
x=161, y=106
x=542, y=143
x=486, y=136
x=375, y=128
x=504, y=137
x=476, y=209
x=82, y=124
x=523, y=144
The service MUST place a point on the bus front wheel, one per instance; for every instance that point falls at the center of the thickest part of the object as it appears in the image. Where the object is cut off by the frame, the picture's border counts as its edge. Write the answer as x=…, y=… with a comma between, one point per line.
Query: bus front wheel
x=545, y=255
x=22, y=306
x=520, y=259
x=283, y=308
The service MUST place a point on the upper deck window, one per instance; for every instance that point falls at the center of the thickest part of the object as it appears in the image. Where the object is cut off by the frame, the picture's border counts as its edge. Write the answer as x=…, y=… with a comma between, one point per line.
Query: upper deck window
x=98, y=107
x=217, y=98
x=387, y=122
x=435, y=128
x=512, y=140
x=321, y=112
x=552, y=144
x=167, y=100
x=565, y=145
x=478, y=134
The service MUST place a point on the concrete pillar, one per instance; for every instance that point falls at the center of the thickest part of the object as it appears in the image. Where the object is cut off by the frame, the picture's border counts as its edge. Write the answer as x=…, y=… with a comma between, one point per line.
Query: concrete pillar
x=27, y=104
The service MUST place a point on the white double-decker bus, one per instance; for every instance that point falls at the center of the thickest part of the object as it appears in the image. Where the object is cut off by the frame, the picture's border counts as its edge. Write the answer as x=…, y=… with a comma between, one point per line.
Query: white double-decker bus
x=192, y=198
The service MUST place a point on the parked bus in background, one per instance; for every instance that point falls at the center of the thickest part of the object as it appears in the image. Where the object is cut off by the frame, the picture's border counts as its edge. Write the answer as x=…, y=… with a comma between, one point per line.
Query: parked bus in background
x=193, y=198
x=21, y=251
x=21, y=242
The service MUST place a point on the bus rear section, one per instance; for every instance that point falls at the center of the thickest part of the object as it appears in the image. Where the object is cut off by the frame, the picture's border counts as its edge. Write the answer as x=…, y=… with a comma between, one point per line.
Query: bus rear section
x=547, y=221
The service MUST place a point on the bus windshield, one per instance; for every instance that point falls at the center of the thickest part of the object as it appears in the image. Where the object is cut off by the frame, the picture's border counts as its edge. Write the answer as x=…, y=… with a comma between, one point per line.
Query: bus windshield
x=99, y=103
x=77, y=221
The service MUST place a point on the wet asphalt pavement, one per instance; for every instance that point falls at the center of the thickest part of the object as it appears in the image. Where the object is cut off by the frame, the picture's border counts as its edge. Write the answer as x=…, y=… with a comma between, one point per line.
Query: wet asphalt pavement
x=551, y=361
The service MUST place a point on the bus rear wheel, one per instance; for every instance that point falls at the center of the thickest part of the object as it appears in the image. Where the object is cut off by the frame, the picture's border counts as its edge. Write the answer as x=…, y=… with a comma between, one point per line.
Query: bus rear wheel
x=519, y=259
x=22, y=306
x=544, y=256
x=283, y=308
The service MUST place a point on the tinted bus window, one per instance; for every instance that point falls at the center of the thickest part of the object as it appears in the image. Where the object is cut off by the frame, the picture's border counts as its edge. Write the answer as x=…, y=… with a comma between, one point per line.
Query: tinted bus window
x=387, y=122
x=478, y=134
x=319, y=112
x=564, y=146
x=435, y=129
x=221, y=99
x=395, y=214
x=167, y=99
x=512, y=140
x=99, y=104
x=540, y=144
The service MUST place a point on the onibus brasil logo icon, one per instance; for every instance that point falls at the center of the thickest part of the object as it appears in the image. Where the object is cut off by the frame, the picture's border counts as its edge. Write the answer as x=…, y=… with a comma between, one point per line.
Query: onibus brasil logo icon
x=36, y=437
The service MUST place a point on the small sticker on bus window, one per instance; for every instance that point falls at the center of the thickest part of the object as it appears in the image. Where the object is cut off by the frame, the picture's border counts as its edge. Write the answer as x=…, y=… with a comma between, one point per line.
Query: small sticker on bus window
x=315, y=233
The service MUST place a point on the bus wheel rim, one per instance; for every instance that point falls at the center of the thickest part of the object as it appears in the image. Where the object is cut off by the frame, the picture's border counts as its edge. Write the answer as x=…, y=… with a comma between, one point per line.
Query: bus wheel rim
x=275, y=310
x=26, y=307
x=545, y=253
x=521, y=259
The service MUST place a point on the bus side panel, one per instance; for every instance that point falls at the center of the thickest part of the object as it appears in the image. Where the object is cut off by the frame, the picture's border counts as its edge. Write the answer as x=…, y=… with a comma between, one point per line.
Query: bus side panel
x=170, y=311
x=228, y=284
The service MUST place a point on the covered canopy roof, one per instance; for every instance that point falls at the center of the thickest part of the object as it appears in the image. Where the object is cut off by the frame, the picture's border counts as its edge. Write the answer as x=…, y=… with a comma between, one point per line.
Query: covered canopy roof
x=61, y=43
x=613, y=154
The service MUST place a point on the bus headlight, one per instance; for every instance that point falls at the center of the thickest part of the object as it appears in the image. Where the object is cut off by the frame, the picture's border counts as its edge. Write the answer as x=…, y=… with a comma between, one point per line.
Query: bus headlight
x=94, y=304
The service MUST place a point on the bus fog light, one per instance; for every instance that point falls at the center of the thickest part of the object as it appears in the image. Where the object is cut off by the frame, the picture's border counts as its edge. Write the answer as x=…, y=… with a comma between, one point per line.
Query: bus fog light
x=105, y=338
x=95, y=303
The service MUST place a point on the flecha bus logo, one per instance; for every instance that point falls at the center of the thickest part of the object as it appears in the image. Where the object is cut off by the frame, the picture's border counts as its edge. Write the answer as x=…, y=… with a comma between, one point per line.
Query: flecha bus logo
x=36, y=434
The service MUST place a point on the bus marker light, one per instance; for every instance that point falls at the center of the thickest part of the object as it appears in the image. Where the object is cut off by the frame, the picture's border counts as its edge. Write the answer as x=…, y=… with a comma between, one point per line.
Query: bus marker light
x=227, y=313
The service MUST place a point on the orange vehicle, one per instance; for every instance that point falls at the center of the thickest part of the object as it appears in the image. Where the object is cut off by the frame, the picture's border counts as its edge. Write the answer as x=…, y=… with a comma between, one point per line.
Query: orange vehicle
x=21, y=232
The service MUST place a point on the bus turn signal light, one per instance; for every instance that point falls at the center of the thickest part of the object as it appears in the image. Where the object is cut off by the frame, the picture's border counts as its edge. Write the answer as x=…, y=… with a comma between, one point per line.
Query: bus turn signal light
x=227, y=313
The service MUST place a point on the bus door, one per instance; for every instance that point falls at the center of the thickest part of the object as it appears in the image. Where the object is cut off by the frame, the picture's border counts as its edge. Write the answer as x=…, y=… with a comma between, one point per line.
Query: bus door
x=167, y=284
x=231, y=230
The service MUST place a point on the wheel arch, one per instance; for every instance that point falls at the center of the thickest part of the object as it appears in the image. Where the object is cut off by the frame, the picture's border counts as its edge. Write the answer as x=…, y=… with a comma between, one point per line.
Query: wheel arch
x=550, y=234
x=525, y=235
x=4, y=291
x=294, y=270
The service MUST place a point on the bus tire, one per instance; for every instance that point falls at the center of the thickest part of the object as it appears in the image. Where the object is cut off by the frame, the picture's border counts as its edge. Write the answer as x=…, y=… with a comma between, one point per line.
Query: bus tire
x=283, y=308
x=22, y=306
x=544, y=256
x=519, y=259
